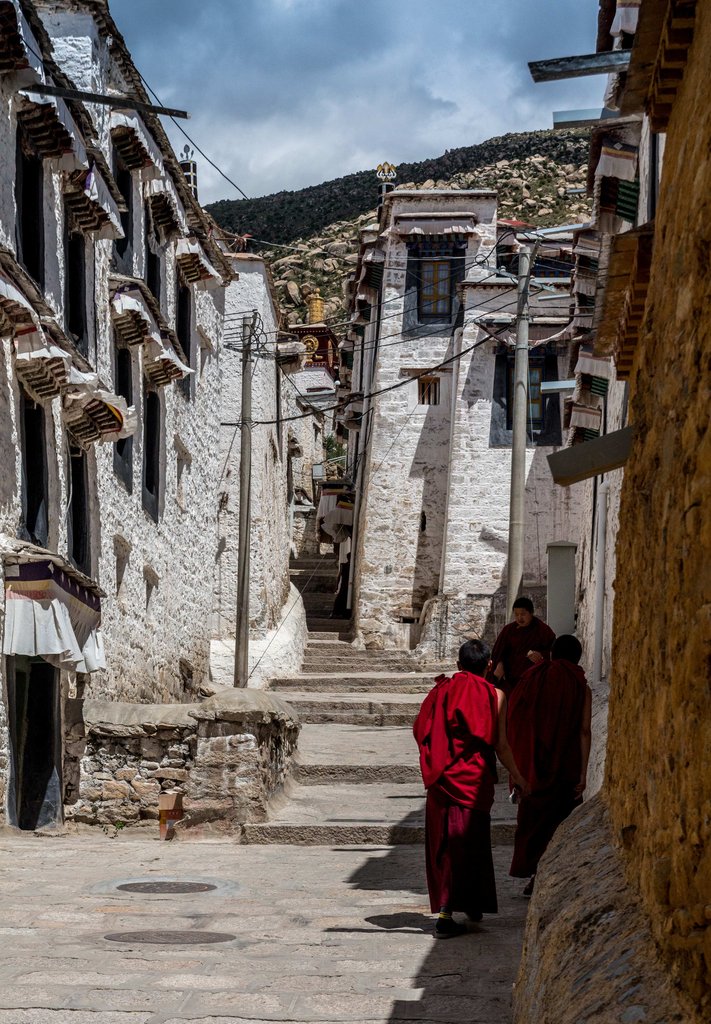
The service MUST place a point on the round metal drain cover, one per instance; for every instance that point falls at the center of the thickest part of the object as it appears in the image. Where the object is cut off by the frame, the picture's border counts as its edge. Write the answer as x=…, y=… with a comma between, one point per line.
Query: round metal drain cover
x=166, y=887
x=171, y=938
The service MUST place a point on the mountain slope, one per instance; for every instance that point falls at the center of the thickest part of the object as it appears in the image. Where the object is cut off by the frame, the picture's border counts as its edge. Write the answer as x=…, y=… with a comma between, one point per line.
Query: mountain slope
x=286, y=216
x=540, y=178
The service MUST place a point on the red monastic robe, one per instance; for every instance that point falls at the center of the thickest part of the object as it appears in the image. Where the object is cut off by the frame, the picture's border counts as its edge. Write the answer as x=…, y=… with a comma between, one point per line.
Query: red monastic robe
x=456, y=730
x=544, y=724
x=512, y=646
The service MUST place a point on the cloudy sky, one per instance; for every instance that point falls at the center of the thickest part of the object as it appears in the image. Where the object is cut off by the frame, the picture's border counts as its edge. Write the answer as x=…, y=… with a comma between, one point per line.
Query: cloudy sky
x=287, y=93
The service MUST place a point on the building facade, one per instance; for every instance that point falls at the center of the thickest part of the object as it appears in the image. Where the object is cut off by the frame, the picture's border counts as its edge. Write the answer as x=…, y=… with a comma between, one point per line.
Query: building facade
x=111, y=300
x=429, y=414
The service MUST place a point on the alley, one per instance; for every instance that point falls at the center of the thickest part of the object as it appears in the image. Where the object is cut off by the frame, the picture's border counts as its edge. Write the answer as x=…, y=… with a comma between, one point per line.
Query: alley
x=315, y=934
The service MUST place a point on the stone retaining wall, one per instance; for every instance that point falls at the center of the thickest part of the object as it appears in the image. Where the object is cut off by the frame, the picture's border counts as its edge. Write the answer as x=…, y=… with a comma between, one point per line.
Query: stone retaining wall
x=228, y=756
x=589, y=956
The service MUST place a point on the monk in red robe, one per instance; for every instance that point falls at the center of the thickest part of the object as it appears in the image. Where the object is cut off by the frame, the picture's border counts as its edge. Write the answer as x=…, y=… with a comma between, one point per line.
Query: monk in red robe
x=524, y=642
x=549, y=730
x=460, y=728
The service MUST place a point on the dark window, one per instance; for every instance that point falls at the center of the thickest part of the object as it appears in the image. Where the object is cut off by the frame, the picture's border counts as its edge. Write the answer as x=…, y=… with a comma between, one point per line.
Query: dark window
x=124, y=181
x=153, y=258
x=35, y=526
x=428, y=391
x=543, y=425
x=75, y=289
x=184, y=329
x=123, y=449
x=151, y=452
x=29, y=197
x=534, y=411
x=78, y=500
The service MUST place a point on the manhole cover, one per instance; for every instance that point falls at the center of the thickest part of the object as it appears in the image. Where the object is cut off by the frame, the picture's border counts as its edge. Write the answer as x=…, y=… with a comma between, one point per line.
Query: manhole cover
x=166, y=887
x=171, y=938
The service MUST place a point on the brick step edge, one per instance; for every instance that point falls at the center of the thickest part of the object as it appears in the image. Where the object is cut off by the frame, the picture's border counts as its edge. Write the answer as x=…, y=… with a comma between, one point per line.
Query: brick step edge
x=353, y=718
x=292, y=834
x=325, y=774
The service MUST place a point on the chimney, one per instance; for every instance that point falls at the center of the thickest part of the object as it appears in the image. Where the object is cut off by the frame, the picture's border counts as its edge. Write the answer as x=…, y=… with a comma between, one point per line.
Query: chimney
x=387, y=173
x=316, y=307
x=189, y=169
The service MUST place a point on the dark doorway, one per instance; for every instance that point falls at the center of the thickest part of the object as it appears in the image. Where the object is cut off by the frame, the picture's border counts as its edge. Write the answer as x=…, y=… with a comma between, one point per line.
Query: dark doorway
x=36, y=790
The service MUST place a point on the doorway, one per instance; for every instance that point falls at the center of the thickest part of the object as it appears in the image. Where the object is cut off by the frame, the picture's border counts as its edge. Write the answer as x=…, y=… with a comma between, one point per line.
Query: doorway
x=35, y=797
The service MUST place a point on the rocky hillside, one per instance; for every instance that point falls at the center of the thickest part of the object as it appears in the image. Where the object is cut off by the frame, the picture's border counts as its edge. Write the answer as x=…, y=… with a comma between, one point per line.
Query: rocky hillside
x=533, y=172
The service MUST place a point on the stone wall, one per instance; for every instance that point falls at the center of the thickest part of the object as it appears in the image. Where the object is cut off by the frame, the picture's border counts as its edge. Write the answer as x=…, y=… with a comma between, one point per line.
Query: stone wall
x=228, y=757
x=658, y=783
x=589, y=956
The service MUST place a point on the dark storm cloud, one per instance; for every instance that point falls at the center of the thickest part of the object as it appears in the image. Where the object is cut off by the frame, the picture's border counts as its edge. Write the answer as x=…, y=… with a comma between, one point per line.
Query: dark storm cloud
x=285, y=93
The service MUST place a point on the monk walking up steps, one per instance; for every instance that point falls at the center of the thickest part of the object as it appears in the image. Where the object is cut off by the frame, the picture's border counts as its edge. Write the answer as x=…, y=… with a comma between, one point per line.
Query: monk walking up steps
x=460, y=729
x=524, y=642
x=549, y=730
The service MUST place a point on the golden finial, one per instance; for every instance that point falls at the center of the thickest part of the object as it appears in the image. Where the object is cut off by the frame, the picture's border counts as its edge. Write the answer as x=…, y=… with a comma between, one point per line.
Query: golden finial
x=316, y=307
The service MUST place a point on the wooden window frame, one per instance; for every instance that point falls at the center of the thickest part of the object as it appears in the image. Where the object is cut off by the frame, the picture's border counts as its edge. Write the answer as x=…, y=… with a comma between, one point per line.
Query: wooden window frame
x=429, y=390
x=435, y=287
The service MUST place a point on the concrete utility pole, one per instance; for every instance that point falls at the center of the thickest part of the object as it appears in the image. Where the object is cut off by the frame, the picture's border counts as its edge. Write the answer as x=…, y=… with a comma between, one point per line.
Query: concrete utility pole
x=518, y=441
x=245, y=517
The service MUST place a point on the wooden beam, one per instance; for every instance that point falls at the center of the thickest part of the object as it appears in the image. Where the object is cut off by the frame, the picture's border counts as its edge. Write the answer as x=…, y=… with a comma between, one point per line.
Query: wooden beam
x=120, y=102
x=582, y=461
x=605, y=63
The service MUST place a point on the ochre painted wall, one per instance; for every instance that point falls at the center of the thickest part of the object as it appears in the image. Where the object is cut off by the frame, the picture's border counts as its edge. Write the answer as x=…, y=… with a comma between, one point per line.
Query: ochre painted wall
x=658, y=780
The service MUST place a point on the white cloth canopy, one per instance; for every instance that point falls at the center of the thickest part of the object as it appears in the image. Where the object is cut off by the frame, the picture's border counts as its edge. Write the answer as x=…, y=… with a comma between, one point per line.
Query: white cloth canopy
x=50, y=614
x=85, y=399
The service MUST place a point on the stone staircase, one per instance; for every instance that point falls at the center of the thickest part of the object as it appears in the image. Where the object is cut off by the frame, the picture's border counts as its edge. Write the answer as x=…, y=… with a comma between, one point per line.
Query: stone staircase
x=316, y=578
x=356, y=778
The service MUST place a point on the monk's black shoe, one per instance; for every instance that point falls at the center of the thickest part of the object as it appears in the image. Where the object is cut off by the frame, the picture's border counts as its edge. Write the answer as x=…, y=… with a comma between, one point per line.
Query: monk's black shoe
x=447, y=928
x=475, y=916
x=528, y=891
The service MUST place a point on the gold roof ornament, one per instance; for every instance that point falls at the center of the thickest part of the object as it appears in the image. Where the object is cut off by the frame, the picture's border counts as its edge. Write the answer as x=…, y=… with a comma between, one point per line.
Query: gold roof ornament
x=316, y=307
x=386, y=171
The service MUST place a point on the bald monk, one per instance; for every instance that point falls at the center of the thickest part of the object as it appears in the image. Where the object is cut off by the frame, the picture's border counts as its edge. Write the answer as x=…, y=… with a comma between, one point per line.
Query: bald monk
x=549, y=731
x=460, y=728
x=524, y=642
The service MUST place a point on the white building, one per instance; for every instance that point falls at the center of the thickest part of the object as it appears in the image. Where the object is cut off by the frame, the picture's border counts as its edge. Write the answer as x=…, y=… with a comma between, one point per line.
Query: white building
x=430, y=420
x=286, y=442
x=110, y=327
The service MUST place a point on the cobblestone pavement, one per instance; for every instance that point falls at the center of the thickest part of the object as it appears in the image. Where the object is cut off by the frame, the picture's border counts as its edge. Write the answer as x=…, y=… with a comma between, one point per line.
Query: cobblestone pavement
x=317, y=933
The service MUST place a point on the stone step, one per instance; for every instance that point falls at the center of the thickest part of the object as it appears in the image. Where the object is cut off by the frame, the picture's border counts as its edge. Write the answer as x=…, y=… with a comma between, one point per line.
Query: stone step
x=355, y=682
x=315, y=562
x=318, y=605
x=352, y=753
x=351, y=814
x=374, y=709
x=314, y=581
x=346, y=656
x=314, y=666
x=320, y=628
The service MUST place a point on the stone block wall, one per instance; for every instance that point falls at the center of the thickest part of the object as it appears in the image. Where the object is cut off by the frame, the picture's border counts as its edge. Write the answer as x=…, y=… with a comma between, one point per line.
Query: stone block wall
x=658, y=780
x=228, y=757
x=589, y=956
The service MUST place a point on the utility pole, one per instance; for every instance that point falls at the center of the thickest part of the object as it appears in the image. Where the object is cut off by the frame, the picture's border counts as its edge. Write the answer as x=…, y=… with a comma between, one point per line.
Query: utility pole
x=518, y=441
x=245, y=517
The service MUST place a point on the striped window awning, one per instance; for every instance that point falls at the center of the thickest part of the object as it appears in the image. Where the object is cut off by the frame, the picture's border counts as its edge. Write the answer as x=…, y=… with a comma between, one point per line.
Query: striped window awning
x=194, y=264
x=39, y=363
x=91, y=207
x=133, y=320
x=92, y=413
x=166, y=208
x=135, y=144
x=162, y=364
